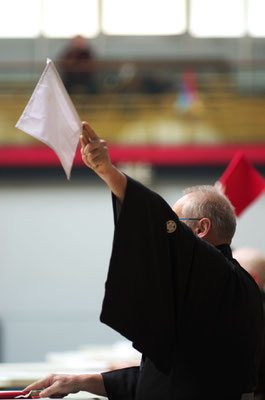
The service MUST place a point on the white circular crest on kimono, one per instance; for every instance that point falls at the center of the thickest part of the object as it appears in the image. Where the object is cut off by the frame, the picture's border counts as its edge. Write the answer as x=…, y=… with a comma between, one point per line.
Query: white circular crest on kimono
x=171, y=226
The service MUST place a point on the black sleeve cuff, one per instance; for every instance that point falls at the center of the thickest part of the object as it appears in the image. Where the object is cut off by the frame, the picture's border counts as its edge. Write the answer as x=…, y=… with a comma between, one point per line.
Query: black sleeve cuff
x=120, y=384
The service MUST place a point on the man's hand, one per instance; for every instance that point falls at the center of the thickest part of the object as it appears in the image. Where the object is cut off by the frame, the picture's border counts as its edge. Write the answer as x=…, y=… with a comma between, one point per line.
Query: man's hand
x=59, y=385
x=56, y=385
x=95, y=155
x=94, y=152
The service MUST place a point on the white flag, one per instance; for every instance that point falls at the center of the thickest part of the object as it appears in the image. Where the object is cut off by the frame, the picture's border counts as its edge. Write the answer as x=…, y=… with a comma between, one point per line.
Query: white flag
x=51, y=117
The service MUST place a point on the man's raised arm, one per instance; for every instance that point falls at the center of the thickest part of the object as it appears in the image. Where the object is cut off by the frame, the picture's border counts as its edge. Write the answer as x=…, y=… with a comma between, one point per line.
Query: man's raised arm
x=95, y=155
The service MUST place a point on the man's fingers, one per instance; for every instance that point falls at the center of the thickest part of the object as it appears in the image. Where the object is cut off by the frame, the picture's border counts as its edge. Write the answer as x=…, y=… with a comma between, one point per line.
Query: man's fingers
x=82, y=141
x=93, y=154
x=84, y=138
x=88, y=133
x=55, y=385
x=85, y=158
x=91, y=147
x=36, y=385
x=96, y=159
x=89, y=164
x=53, y=390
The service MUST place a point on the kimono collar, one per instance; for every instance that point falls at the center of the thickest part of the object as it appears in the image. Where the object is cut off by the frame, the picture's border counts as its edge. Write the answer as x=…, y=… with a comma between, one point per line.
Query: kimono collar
x=225, y=250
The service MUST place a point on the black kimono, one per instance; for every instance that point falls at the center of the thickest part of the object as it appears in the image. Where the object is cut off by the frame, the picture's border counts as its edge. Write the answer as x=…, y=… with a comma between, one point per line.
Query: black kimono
x=187, y=306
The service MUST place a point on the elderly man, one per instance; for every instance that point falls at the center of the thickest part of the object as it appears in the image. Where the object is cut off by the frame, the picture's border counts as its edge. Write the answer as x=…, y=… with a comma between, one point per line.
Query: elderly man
x=175, y=291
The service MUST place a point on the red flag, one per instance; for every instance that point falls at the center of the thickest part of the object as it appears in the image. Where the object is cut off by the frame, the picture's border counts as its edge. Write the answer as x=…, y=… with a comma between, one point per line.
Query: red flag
x=241, y=182
x=18, y=394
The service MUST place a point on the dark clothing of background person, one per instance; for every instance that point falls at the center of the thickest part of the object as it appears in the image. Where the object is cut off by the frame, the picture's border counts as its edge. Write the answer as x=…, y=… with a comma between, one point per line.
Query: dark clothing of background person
x=260, y=389
x=77, y=67
x=187, y=306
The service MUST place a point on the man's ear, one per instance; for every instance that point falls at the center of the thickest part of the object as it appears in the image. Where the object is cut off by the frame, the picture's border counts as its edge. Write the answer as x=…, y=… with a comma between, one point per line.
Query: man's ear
x=203, y=227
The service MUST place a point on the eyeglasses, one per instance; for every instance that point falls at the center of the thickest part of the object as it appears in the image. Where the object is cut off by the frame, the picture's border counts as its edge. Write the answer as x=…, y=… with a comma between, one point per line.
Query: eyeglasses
x=190, y=219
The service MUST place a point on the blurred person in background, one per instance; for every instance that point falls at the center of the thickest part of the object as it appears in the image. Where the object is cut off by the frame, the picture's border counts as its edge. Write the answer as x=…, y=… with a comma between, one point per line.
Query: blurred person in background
x=77, y=66
x=253, y=261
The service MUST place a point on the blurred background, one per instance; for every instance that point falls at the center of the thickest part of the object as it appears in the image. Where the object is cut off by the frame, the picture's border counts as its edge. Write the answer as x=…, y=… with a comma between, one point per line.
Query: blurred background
x=176, y=87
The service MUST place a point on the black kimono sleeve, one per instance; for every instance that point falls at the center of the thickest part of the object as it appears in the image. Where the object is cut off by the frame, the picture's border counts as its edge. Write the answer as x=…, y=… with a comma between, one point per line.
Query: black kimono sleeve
x=139, y=299
x=120, y=384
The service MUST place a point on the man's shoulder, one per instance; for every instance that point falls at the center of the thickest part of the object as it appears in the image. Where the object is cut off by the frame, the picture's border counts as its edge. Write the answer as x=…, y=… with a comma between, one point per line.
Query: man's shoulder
x=137, y=192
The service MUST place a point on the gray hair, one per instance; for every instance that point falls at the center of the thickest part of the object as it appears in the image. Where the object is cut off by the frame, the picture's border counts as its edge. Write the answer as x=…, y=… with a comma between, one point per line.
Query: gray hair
x=210, y=202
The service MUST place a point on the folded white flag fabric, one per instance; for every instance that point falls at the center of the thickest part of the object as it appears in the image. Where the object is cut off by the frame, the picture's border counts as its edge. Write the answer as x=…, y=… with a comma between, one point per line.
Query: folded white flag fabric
x=51, y=117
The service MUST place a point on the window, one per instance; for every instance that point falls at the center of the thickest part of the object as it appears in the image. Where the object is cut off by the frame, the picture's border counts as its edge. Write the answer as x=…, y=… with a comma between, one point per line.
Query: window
x=256, y=11
x=19, y=18
x=67, y=18
x=148, y=17
x=217, y=18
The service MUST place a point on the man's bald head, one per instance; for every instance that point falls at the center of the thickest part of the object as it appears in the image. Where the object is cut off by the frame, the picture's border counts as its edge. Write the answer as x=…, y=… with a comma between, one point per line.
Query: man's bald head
x=253, y=261
x=210, y=203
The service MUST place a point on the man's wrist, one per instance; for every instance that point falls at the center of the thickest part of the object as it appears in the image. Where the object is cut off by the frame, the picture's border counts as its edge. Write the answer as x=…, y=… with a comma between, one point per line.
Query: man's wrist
x=83, y=382
x=115, y=179
x=109, y=173
x=92, y=383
